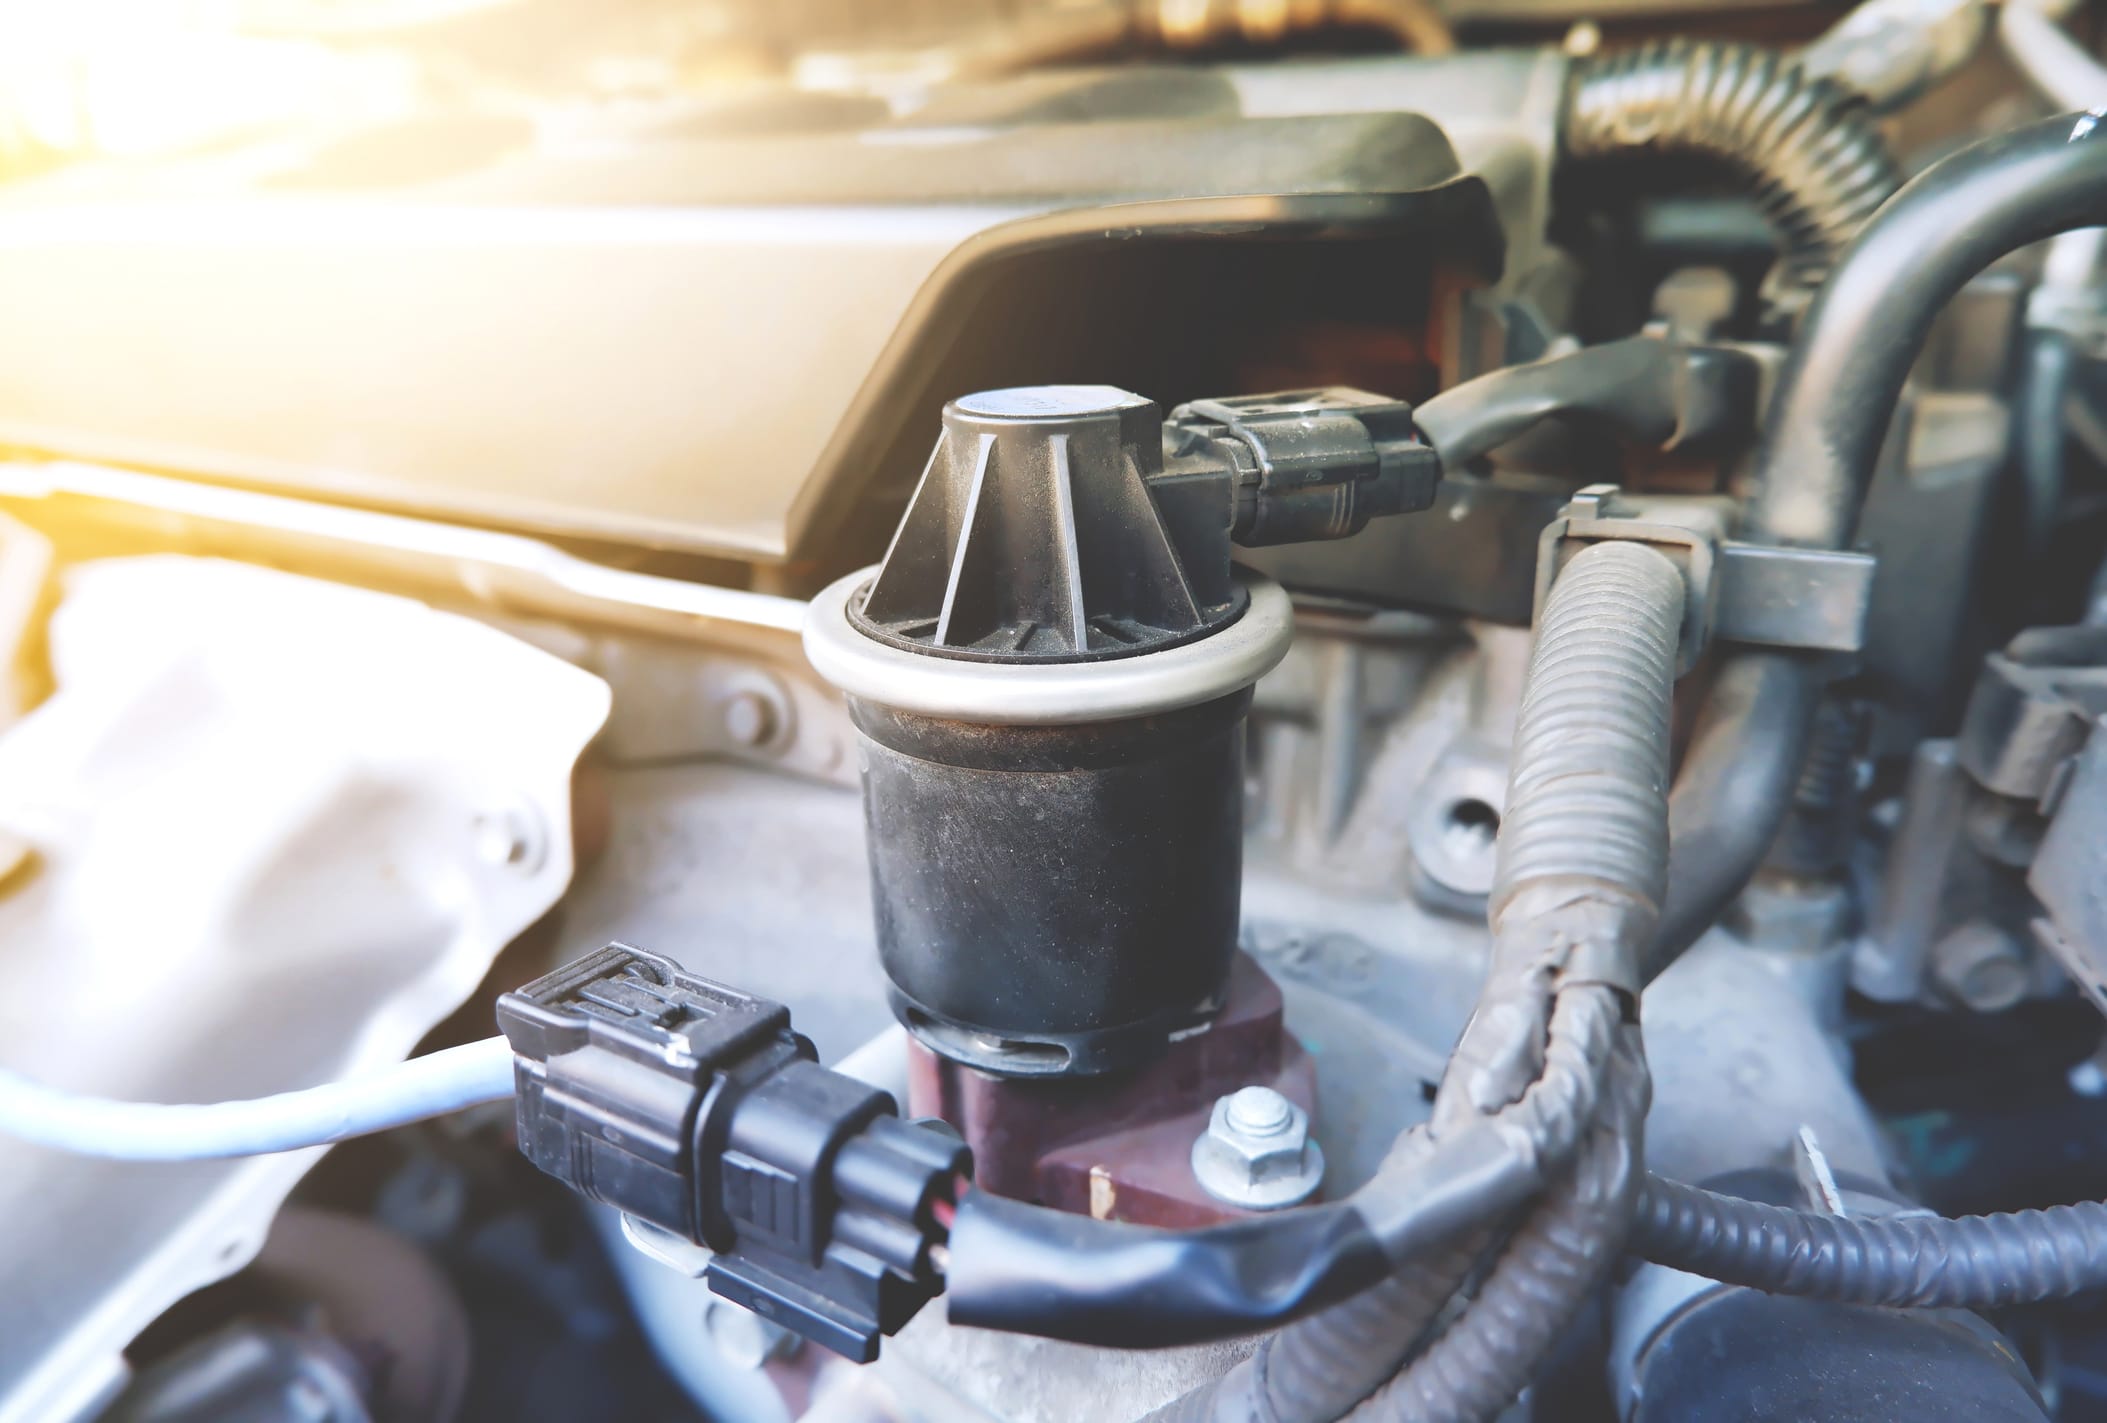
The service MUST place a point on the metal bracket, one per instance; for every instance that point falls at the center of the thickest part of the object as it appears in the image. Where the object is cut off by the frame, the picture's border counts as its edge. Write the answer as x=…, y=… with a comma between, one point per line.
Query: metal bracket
x=1816, y=599
x=1811, y=598
x=1689, y=531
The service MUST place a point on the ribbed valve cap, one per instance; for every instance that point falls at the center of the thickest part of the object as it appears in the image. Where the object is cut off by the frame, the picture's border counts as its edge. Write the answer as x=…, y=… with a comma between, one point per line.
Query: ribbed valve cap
x=1044, y=531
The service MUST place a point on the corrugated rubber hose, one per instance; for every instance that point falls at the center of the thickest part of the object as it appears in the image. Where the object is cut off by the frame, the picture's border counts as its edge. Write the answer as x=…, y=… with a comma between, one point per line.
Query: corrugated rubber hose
x=1901, y=1262
x=1587, y=784
x=1811, y=154
x=1582, y=870
x=1549, y=1268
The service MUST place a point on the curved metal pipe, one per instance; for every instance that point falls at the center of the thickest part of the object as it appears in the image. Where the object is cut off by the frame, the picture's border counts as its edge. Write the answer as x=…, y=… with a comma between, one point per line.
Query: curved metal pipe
x=1836, y=398
x=1838, y=390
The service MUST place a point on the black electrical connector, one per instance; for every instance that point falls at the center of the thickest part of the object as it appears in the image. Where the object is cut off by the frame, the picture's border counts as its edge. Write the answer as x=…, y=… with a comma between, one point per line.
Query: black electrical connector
x=695, y=1107
x=1305, y=464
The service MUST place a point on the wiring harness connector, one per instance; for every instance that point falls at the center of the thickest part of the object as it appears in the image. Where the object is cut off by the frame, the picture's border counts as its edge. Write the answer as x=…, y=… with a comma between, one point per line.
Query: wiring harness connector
x=694, y=1107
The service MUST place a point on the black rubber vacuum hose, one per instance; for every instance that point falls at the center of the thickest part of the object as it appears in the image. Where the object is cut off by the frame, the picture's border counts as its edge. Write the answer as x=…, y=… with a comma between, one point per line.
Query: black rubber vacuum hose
x=2051, y=364
x=1810, y=152
x=1901, y=1262
x=1836, y=398
x=1837, y=393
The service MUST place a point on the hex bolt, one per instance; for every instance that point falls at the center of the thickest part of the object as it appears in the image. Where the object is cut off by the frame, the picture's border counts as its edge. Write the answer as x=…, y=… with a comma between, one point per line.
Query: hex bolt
x=1256, y=1153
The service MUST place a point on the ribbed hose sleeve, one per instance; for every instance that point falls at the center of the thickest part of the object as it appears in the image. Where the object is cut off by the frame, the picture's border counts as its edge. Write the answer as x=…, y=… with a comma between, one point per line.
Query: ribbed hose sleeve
x=1813, y=157
x=1318, y=1368
x=1319, y=1374
x=1587, y=788
x=1543, y=1080
x=1902, y=1262
x=1548, y=1270
x=1583, y=852
x=1582, y=872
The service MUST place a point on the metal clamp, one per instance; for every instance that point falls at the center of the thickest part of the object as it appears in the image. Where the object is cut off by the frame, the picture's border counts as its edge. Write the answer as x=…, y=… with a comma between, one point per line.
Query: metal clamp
x=1762, y=594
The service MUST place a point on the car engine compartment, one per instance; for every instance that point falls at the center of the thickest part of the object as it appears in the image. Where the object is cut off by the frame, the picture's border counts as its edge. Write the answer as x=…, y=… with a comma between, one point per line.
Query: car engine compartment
x=1379, y=709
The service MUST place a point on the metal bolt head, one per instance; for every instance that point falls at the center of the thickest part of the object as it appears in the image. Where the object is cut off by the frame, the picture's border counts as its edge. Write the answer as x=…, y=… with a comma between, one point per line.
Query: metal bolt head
x=1256, y=1152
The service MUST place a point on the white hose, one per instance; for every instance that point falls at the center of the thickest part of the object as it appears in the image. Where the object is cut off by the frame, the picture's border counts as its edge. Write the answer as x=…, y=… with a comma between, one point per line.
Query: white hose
x=2051, y=60
x=428, y=1086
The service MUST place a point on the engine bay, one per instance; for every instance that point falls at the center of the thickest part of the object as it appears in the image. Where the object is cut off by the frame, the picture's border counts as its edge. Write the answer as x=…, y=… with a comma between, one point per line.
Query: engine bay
x=1378, y=709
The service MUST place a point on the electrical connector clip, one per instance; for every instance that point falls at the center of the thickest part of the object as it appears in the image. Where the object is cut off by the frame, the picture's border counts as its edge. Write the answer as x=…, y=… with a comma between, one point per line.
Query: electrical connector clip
x=695, y=1107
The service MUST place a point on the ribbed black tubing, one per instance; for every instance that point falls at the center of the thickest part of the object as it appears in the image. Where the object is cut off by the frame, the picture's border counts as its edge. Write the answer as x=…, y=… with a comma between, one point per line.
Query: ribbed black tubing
x=1901, y=1262
x=1811, y=154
